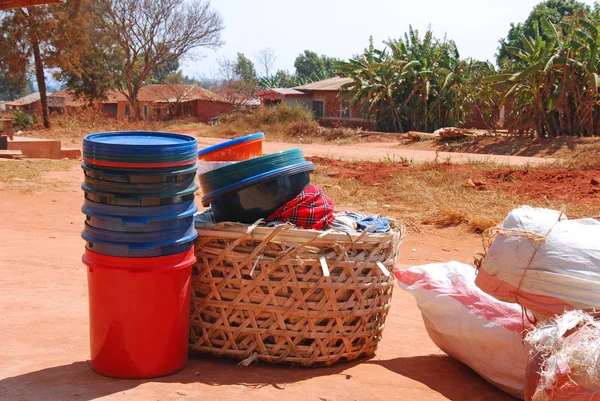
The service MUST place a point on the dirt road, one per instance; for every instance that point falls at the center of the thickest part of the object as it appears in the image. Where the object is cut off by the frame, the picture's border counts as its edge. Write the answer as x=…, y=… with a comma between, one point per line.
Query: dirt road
x=389, y=151
x=44, y=327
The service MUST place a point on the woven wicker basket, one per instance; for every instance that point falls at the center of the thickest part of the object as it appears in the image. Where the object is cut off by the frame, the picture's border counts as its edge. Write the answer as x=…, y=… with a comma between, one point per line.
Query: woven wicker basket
x=286, y=295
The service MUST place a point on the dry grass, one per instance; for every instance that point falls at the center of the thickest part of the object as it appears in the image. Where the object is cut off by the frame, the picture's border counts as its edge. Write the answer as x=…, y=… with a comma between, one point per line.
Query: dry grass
x=285, y=124
x=435, y=196
x=585, y=156
x=73, y=127
x=27, y=174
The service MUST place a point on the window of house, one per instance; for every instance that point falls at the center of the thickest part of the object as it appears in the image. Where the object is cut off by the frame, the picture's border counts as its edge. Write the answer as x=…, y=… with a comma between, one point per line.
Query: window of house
x=318, y=108
x=187, y=110
x=345, y=111
x=127, y=111
x=146, y=111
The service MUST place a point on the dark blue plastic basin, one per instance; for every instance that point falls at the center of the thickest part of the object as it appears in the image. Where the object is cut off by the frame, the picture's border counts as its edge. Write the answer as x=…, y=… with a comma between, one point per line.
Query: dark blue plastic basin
x=261, y=196
x=123, y=237
x=167, y=198
x=223, y=177
x=141, y=250
x=139, y=219
x=144, y=176
x=153, y=188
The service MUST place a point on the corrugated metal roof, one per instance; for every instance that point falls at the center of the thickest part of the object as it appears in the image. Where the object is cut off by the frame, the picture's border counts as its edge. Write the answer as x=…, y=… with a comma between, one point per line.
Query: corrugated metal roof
x=331, y=84
x=281, y=91
x=34, y=97
x=163, y=93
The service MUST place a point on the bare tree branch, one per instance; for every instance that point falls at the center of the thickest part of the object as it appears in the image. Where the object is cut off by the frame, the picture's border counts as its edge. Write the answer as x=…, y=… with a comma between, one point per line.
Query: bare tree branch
x=151, y=33
x=265, y=58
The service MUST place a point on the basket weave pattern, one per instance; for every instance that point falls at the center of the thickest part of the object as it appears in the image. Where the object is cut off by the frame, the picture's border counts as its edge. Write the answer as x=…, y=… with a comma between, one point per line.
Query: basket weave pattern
x=285, y=295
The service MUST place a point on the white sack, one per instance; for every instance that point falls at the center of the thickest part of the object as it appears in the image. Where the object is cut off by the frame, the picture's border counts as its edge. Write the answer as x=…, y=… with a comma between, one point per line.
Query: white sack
x=469, y=325
x=563, y=274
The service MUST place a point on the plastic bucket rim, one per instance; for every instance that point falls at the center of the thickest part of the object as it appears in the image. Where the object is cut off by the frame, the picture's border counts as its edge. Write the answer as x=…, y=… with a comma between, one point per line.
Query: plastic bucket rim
x=178, y=216
x=257, y=137
x=184, y=170
x=179, y=241
x=177, y=260
x=184, y=206
x=184, y=142
x=139, y=166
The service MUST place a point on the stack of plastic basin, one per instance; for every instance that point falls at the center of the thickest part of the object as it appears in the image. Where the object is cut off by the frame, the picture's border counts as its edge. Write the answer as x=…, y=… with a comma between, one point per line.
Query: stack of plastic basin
x=139, y=205
x=255, y=188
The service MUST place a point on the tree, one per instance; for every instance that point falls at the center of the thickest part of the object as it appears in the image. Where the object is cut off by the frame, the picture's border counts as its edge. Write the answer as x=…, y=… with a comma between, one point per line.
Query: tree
x=244, y=68
x=552, y=10
x=238, y=80
x=94, y=76
x=152, y=33
x=50, y=36
x=161, y=72
x=415, y=83
x=266, y=59
x=556, y=91
x=281, y=79
x=309, y=65
x=175, y=78
x=11, y=91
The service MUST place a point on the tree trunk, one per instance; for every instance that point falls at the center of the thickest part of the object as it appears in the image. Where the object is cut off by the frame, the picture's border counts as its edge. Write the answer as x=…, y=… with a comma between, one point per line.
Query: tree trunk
x=39, y=70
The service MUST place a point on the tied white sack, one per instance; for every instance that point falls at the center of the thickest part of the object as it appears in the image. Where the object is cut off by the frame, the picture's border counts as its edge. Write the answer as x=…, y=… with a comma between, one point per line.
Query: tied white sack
x=469, y=325
x=544, y=262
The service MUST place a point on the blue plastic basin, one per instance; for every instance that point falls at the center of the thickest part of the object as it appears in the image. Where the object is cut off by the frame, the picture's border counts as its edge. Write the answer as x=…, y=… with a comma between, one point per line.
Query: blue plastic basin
x=139, y=144
x=141, y=250
x=139, y=219
x=145, y=176
x=166, y=198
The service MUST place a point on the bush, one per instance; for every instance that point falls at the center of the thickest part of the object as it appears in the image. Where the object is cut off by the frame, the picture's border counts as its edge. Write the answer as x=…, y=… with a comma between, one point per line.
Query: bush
x=24, y=120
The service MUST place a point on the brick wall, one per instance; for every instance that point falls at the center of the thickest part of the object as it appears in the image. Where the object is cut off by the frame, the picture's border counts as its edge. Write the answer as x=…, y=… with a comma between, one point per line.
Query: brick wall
x=207, y=109
x=333, y=105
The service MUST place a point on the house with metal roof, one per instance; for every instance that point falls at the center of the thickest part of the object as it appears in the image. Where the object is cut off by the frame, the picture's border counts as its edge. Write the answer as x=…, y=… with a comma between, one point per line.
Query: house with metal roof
x=28, y=104
x=323, y=98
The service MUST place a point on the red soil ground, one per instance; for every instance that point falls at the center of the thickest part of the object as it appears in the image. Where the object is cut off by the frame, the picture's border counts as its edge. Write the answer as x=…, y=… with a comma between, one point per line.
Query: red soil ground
x=581, y=186
x=44, y=347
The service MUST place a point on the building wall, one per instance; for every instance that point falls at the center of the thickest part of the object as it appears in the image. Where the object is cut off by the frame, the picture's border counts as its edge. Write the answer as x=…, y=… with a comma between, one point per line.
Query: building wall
x=207, y=109
x=332, y=111
x=123, y=104
x=110, y=109
x=34, y=107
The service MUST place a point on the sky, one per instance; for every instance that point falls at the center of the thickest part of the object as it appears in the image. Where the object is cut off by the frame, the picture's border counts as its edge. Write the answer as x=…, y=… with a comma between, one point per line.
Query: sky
x=341, y=28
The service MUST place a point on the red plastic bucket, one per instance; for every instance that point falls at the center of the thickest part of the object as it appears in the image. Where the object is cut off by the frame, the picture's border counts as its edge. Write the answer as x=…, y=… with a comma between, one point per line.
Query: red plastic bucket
x=139, y=313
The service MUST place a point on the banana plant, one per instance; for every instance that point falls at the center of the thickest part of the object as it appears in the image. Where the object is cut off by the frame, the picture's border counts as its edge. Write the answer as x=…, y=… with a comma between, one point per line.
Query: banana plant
x=528, y=90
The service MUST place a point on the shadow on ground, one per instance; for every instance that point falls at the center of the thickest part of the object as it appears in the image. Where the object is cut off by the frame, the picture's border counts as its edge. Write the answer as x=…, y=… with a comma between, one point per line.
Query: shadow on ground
x=78, y=381
x=445, y=375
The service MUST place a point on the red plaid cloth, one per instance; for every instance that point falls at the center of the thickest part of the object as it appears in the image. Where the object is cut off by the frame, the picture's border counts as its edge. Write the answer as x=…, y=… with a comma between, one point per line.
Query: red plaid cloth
x=311, y=209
